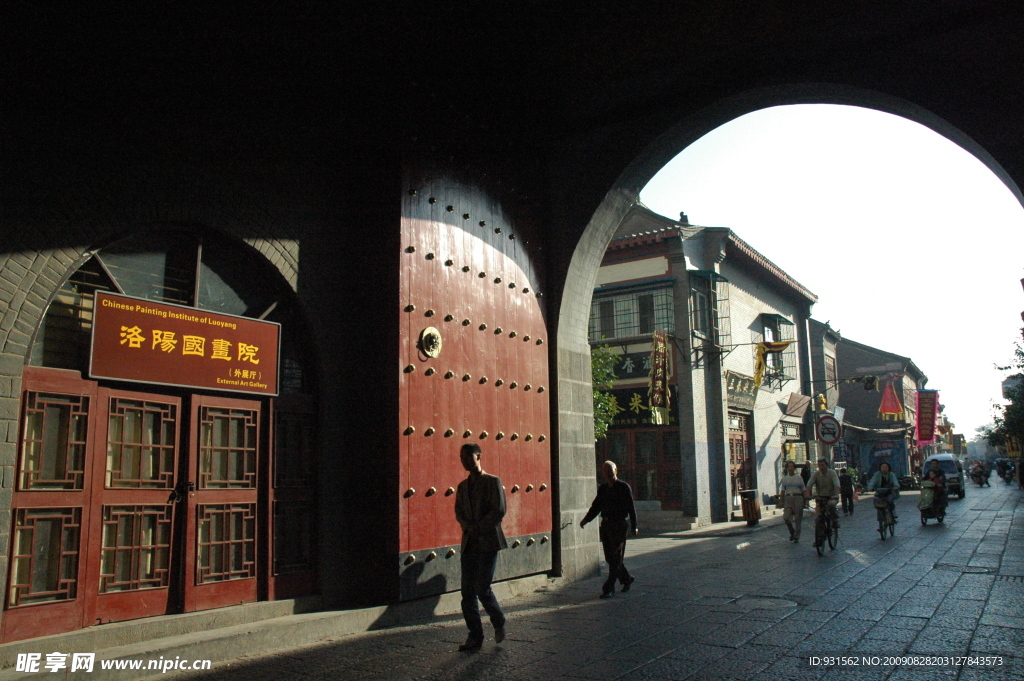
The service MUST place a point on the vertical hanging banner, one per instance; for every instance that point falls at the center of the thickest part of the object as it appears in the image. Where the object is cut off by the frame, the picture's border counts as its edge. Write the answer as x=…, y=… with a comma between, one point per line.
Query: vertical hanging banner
x=927, y=415
x=658, y=395
x=760, y=358
x=890, y=408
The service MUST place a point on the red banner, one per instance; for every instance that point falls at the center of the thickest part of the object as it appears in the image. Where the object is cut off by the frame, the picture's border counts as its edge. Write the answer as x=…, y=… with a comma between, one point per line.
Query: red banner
x=927, y=415
x=658, y=394
x=890, y=408
x=138, y=340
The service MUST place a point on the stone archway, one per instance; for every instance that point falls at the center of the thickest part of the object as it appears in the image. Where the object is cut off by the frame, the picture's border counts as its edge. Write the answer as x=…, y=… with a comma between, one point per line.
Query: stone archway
x=575, y=411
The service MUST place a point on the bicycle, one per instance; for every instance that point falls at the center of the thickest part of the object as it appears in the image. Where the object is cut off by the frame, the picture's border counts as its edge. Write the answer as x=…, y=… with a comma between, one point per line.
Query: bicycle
x=825, y=527
x=883, y=507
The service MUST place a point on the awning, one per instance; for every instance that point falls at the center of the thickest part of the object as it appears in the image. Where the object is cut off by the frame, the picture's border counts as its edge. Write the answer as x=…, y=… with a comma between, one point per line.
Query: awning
x=659, y=283
x=710, y=275
x=768, y=316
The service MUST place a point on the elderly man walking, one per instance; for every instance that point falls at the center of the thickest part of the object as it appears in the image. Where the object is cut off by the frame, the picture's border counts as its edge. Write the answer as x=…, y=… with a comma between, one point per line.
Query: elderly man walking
x=614, y=502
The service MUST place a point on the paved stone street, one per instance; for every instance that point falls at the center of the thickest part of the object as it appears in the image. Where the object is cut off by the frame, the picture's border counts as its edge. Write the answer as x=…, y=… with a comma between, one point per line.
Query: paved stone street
x=739, y=604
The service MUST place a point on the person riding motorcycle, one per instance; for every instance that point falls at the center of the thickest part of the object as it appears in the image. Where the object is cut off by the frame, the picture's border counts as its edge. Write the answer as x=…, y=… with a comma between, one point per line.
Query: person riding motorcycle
x=884, y=478
x=936, y=475
x=979, y=474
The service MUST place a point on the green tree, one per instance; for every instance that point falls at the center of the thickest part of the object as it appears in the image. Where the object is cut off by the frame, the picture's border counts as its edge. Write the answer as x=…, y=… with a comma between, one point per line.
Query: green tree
x=602, y=375
x=1008, y=420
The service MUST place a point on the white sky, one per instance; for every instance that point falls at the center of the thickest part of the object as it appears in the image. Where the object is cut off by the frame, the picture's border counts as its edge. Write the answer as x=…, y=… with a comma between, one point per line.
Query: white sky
x=911, y=244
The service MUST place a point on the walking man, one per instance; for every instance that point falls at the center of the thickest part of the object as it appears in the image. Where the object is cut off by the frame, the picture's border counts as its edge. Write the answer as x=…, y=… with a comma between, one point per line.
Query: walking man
x=846, y=491
x=479, y=508
x=791, y=489
x=614, y=501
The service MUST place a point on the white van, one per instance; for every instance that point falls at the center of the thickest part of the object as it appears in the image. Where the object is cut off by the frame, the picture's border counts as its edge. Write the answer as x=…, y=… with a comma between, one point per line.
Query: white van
x=954, y=472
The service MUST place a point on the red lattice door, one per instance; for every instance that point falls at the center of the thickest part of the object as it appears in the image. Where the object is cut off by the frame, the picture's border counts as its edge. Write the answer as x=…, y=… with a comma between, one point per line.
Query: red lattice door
x=49, y=507
x=134, y=561
x=220, y=538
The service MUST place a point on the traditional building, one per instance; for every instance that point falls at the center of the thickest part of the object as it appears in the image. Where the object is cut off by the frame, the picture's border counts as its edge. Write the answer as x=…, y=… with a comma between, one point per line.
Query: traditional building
x=886, y=384
x=718, y=299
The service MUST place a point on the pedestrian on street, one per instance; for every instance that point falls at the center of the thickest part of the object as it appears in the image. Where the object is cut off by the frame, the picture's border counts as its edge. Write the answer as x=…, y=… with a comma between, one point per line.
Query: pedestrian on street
x=479, y=508
x=791, y=489
x=614, y=501
x=805, y=472
x=846, y=491
x=825, y=483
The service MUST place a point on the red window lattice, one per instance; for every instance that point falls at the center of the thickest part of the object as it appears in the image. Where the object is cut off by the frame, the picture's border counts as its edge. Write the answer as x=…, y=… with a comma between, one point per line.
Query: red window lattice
x=53, y=442
x=140, y=444
x=136, y=547
x=44, y=560
x=226, y=542
x=227, y=452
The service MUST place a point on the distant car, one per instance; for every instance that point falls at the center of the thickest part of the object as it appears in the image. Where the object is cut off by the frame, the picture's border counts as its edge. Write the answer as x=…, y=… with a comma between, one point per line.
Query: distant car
x=954, y=472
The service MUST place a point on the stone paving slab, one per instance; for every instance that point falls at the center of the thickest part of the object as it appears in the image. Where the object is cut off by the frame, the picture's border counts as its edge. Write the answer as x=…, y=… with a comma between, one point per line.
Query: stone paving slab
x=733, y=603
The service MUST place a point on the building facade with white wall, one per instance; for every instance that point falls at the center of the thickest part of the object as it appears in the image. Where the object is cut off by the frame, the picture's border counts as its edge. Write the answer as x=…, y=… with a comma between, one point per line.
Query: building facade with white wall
x=717, y=298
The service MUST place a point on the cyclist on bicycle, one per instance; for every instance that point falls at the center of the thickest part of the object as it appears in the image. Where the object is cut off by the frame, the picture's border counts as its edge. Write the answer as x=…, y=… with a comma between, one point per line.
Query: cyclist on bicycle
x=824, y=482
x=884, y=478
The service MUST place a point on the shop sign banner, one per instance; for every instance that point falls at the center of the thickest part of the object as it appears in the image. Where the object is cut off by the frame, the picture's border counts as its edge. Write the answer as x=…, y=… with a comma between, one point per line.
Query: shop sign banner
x=138, y=340
x=631, y=409
x=927, y=415
x=657, y=392
x=741, y=392
x=633, y=365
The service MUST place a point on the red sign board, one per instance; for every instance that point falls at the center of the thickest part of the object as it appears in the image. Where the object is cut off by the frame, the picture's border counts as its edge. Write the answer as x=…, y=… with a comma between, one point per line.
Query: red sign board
x=927, y=413
x=139, y=340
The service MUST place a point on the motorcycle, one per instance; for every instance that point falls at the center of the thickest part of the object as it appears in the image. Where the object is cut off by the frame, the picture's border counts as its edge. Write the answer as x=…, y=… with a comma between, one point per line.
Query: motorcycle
x=932, y=502
x=980, y=478
x=1008, y=472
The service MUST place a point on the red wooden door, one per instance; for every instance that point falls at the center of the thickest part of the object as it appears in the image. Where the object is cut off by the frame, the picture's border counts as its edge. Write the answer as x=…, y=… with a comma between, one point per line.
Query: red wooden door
x=132, y=558
x=49, y=507
x=467, y=274
x=220, y=528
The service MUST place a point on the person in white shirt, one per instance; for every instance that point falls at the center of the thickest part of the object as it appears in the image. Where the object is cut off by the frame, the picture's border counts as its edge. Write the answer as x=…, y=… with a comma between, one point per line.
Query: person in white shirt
x=791, y=493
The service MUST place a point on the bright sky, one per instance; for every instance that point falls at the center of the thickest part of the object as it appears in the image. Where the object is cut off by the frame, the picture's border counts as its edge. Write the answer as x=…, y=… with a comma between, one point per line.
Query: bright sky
x=911, y=244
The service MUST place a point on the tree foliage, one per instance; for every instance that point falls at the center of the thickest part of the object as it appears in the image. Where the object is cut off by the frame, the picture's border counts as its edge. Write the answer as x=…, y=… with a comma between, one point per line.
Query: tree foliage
x=602, y=375
x=1008, y=420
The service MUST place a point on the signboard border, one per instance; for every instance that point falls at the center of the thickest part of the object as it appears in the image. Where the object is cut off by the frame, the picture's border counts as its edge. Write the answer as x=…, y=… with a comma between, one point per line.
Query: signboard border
x=92, y=341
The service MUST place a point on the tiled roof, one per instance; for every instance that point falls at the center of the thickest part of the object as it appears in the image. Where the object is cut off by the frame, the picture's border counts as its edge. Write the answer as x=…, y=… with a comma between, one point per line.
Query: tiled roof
x=650, y=237
x=749, y=251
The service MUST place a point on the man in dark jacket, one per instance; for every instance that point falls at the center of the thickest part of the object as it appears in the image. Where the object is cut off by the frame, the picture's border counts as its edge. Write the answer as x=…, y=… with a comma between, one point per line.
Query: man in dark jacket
x=614, y=502
x=846, y=491
x=479, y=508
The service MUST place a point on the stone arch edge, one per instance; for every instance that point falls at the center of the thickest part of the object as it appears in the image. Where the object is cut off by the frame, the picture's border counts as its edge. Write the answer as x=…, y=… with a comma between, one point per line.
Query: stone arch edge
x=579, y=554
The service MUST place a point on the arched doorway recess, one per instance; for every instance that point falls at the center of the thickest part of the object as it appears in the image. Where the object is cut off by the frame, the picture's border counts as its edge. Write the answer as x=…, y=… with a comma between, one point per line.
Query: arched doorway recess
x=148, y=493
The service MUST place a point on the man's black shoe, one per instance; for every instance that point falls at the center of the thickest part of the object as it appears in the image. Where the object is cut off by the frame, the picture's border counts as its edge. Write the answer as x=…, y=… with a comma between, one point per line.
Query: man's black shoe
x=471, y=645
x=608, y=594
x=625, y=587
x=499, y=634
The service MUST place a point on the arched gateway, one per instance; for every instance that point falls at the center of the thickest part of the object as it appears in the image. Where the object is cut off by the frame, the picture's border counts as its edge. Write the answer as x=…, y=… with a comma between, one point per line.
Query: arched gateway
x=543, y=128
